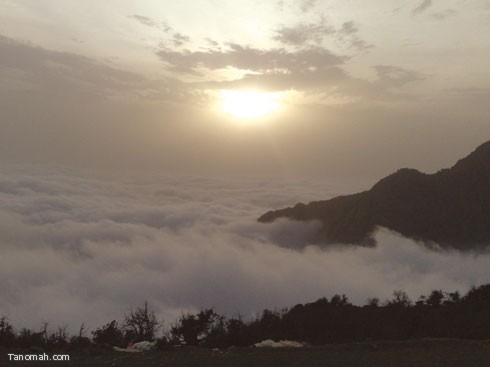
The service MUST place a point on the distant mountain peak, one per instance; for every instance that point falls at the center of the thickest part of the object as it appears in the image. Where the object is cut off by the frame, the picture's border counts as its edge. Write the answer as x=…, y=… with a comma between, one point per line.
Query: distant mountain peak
x=450, y=207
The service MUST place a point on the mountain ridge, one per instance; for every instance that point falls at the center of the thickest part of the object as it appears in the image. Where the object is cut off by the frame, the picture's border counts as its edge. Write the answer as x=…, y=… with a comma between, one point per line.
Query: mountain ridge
x=450, y=207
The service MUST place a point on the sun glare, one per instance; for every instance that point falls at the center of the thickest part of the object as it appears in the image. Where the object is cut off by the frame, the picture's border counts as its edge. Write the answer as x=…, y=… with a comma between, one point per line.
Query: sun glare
x=248, y=104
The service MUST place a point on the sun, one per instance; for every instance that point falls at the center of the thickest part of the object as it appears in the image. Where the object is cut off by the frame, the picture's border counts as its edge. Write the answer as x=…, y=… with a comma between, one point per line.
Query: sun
x=248, y=104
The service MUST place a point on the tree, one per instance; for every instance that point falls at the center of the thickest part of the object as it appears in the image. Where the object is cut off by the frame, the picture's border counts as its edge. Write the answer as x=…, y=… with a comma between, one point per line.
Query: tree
x=237, y=332
x=339, y=300
x=453, y=298
x=372, y=302
x=80, y=340
x=435, y=298
x=58, y=338
x=195, y=329
x=109, y=334
x=400, y=299
x=141, y=324
x=28, y=338
x=7, y=334
x=478, y=297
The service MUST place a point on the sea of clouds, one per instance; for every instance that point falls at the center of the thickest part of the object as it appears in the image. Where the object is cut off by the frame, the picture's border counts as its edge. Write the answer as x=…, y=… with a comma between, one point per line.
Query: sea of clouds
x=82, y=248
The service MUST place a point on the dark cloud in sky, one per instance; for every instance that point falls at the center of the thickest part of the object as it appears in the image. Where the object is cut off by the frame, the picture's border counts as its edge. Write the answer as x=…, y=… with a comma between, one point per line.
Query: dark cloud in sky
x=305, y=69
x=303, y=34
x=54, y=72
x=349, y=33
x=349, y=28
x=423, y=6
x=212, y=42
x=144, y=20
x=70, y=109
x=391, y=76
x=301, y=6
x=360, y=45
x=151, y=22
x=308, y=79
x=179, y=39
x=330, y=79
x=444, y=14
x=249, y=58
x=76, y=248
x=307, y=5
x=27, y=70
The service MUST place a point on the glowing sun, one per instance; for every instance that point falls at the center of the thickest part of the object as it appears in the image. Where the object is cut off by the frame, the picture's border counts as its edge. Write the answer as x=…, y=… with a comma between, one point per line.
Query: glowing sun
x=248, y=104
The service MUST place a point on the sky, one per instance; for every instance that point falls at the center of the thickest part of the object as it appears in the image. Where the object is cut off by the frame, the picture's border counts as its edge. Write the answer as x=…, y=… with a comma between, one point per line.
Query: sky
x=140, y=141
x=139, y=85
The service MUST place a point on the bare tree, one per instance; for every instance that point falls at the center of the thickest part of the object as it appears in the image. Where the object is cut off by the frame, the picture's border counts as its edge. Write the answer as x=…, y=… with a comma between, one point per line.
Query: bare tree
x=400, y=299
x=141, y=324
x=44, y=331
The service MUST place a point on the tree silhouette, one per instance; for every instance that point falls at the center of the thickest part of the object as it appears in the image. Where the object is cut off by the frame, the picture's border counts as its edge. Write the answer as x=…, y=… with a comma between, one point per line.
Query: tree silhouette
x=400, y=299
x=435, y=298
x=141, y=324
x=195, y=329
x=7, y=334
x=109, y=334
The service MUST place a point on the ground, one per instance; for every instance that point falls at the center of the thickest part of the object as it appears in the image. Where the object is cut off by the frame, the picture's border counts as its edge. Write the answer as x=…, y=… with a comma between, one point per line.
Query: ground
x=414, y=353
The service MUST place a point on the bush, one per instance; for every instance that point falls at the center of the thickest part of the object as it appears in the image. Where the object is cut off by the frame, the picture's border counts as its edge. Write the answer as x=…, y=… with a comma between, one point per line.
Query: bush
x=109, y=334
x=197, y=329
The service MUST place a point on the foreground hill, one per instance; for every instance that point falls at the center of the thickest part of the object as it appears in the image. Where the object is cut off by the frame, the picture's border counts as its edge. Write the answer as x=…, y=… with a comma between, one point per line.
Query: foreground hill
x=420, y=353
x=450, y=207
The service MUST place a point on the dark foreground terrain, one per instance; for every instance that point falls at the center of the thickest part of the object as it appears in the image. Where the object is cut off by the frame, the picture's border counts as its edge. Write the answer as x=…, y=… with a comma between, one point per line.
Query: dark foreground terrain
x=425, y=352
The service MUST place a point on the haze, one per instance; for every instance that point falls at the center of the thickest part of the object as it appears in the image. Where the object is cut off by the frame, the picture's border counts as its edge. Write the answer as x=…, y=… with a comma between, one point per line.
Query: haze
x=120, y=174
x=125, y=85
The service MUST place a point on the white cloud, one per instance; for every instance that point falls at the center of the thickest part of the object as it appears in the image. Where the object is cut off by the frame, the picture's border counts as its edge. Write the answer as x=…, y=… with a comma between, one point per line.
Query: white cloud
x=423, y=6
x=78, y=249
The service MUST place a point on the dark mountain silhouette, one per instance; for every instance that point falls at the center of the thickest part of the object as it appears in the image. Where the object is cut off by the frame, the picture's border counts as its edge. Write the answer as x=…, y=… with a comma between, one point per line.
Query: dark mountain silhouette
x=450, y=207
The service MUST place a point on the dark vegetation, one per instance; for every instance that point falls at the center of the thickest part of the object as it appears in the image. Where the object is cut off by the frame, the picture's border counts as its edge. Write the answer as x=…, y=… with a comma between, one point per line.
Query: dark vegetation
x=450, y=207
x=334, y=320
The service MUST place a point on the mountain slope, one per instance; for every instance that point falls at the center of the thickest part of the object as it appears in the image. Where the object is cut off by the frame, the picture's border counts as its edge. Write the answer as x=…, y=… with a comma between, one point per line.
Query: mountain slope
x=450, y=207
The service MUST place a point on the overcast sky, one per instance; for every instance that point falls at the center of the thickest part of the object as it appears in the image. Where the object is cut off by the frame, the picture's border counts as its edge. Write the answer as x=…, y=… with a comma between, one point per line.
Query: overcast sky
x=364, y=87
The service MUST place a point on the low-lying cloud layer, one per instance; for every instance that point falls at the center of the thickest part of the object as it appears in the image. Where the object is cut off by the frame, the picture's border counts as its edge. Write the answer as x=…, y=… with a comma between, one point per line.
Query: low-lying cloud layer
x=75, y=249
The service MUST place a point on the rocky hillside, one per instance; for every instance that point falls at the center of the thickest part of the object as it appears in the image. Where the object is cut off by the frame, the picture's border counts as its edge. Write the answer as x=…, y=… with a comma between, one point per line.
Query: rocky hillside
x=450, y=207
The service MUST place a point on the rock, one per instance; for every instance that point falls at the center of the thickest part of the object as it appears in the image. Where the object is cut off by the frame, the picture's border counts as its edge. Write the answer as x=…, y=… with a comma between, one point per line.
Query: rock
x=280, y=344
